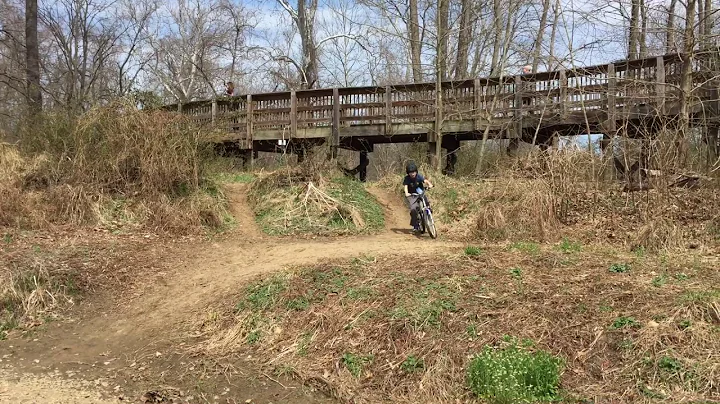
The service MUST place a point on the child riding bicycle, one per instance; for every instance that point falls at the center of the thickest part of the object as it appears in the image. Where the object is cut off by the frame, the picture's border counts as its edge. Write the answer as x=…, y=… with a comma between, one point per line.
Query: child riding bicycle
x=413, y=182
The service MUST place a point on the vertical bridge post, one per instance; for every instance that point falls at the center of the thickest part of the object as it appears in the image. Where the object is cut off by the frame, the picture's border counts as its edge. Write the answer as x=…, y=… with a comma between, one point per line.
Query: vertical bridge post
x=293, y=114
x=249, y=129
x=388, y=111
x=335, y=141
x=518, y=110
x=660, y=85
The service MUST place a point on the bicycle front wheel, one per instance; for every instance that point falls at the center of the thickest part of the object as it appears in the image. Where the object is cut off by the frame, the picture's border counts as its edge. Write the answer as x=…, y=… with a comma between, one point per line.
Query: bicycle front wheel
x=429, y=224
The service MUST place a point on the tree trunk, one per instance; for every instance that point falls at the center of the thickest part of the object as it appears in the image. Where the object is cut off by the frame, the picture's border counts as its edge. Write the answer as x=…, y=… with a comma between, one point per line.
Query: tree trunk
x=634, y=30
x=709, y=17
x=306, y=26
x=415, y=45
x=32, y=57
x=443, y=8
x=686, y=83
x=537, y=47
x=464, y=37
x=643, y=29
x=497, y=44
x=552, y=60
x=670, y=28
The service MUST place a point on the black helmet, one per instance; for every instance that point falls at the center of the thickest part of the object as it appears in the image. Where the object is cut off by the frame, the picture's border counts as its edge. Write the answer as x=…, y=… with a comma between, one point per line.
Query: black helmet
x=411, y=167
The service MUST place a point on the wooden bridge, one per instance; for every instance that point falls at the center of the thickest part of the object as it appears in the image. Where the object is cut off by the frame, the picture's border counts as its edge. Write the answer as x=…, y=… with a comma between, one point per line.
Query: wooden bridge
x=629, y=95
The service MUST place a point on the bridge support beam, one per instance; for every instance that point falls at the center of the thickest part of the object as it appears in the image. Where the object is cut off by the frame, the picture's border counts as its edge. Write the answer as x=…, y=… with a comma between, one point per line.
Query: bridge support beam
x=452, y=145
x=513, y=147
x=362, y=168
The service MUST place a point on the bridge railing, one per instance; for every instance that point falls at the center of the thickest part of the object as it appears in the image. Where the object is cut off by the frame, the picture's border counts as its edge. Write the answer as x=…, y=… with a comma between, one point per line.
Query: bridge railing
x=606, y=92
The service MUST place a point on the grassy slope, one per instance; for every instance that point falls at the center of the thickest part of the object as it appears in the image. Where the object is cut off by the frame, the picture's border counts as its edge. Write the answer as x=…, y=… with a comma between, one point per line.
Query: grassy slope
x=631, y=326
x=339, y=206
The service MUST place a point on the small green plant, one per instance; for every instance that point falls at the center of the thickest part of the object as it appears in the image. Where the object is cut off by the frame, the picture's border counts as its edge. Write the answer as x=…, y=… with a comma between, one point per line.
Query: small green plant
x=526, y=247
x=472, y=251
x=516, y=273
x=412, y=364
x=659, y=281
x=619, y=268
x=7, y=238
x=684, y=324
x=568, y=246
x=253, y=337
x=639, y=252
x=623, y=322
x=304, y=344
x=471, y=330
x=514, y=374
x=354, y=363
x=670, y=365
x=681, y=277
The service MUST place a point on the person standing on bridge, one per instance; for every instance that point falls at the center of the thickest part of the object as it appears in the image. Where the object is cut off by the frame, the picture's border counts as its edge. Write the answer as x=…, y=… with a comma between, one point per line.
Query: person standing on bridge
x=230, y=89
x=411, y=184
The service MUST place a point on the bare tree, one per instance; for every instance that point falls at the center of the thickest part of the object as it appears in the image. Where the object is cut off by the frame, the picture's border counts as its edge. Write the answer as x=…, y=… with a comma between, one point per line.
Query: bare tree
x=32, y=57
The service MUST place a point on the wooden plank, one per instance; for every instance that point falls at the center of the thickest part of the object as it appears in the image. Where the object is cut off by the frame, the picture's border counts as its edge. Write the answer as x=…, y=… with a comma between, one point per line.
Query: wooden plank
x=336, y=119
x=611, y=100
x=213, y=111
x=249, y=118
x=293, y=114
x=517, y=110
x=660, y=85
x=388, y=110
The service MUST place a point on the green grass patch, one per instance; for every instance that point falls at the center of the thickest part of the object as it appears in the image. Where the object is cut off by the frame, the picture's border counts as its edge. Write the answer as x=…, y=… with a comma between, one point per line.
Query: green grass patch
x=514, y=374
x=618, y=268
x=624, y=322
x=568, y=246
x=526, y=247
x=355, y=363
x=264, y=294
x=473, y=251
x=412, y=364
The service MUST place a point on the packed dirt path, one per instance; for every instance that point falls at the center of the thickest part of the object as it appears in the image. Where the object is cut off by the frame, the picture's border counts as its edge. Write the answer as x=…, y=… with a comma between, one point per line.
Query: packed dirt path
x=143, y=347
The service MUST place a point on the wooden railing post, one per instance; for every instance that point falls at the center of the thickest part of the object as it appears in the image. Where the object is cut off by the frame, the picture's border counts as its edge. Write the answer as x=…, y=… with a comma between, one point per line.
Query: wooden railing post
x=611, y=100
x=293, y=114
x=249, y=123
x=563, y=98
x=477, y=93
x=388, y=111
x=518, y=110
x=335, y=141
x=179, y=106
x=660, y=85
x=213, y=112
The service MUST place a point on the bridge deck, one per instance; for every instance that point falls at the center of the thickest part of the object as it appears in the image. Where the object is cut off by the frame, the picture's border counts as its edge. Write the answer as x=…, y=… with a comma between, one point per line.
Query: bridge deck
x=598, y=97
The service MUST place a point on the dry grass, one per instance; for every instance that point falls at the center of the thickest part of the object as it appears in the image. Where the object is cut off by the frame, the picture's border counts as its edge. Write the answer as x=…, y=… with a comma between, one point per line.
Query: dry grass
x=113, y=165
x=43, y=274
x=548, y=196
x=372, y=330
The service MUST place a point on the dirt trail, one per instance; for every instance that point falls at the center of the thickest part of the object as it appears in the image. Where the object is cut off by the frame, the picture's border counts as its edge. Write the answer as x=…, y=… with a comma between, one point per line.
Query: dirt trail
x=397, y=218
x=151, y=327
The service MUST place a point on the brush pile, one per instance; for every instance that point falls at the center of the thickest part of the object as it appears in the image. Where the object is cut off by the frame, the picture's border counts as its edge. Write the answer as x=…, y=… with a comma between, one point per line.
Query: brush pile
x=311, y=199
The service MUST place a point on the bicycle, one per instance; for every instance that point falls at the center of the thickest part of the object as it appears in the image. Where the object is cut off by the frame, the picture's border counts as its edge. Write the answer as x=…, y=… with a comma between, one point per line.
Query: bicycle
x=427, y=223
